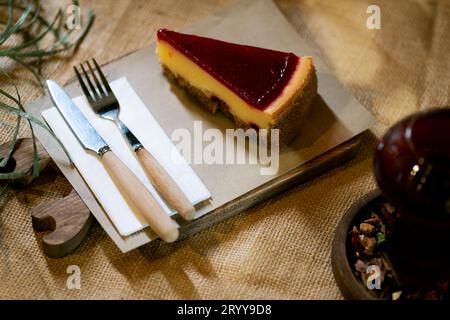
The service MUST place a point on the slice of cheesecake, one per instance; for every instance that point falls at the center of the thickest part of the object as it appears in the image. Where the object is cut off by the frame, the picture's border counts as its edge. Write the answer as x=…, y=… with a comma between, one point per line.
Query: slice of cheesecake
x=259, y=88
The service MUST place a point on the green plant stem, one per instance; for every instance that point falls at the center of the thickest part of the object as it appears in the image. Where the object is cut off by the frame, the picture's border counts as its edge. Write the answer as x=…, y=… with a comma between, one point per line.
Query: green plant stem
x=34, y=27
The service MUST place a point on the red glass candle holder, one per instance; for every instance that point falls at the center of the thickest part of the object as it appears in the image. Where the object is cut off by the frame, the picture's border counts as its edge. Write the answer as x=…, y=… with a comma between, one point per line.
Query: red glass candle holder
x=412, y=169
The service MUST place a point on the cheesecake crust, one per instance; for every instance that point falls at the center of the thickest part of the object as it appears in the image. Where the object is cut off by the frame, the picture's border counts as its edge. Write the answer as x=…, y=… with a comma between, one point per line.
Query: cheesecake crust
x=295, y=114
x=289, y=121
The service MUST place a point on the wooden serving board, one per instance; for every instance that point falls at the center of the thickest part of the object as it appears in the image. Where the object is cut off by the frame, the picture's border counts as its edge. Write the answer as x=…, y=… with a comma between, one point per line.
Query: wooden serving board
x=67, y=220
x=330, y=136
x=292, y=178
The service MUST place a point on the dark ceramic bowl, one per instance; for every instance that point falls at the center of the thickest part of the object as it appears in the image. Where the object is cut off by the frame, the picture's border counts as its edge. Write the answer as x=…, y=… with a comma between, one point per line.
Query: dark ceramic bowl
x=349, y=285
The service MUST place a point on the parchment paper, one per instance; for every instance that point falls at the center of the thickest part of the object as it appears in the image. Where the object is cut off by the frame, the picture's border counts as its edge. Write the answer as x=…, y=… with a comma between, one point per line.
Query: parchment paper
x=336, y=117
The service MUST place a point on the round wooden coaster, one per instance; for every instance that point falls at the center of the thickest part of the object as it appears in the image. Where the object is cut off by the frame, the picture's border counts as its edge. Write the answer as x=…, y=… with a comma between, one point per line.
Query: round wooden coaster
x=350, y=286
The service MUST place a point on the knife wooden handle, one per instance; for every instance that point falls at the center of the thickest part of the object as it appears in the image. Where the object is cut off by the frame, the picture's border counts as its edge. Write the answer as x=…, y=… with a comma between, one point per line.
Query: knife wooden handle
x=139, y=197
x=165, y=185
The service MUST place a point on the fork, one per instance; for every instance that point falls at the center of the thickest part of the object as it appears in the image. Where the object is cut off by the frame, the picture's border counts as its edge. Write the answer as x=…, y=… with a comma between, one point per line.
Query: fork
x=105, y=104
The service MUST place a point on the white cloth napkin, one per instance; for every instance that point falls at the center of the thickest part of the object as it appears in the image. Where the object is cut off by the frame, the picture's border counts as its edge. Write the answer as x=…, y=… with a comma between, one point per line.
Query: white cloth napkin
x=140, y=121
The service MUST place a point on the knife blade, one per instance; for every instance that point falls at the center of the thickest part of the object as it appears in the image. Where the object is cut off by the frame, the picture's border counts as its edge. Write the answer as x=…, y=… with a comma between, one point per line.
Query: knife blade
x=80, y=126
x=132, y=189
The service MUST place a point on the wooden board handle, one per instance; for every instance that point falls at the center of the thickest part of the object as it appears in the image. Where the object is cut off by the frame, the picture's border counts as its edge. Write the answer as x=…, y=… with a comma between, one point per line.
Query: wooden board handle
x=165, y=185
x=69, y=221
x=138, y=196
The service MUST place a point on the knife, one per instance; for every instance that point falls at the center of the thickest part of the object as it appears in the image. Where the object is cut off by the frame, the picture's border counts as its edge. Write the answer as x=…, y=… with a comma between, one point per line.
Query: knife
x=133, y=190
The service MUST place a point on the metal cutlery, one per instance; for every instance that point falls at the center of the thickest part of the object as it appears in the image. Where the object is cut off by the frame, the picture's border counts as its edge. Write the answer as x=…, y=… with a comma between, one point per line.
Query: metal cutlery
x=105, y=104
x=130, y=186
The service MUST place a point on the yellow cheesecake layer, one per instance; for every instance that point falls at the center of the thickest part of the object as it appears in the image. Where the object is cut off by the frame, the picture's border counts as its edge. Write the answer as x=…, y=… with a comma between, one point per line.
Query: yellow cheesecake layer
x=184, y=67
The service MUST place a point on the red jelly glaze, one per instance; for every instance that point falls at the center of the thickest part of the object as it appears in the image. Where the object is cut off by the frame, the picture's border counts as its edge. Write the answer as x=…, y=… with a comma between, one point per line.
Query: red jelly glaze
x=257, y=75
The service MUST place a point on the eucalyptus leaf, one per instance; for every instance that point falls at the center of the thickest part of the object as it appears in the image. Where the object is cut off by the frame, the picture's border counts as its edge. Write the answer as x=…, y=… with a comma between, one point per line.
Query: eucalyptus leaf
x=9, y=25
x=3, y=189
x=26, y=17
x=30, y=118
x=34, y=40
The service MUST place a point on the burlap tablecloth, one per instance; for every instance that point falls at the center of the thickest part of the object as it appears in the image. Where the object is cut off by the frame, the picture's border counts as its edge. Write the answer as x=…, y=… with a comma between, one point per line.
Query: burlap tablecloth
x=280, y=249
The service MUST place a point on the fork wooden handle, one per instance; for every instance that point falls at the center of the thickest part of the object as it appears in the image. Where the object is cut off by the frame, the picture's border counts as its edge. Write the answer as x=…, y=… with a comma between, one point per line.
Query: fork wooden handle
x=139, y=197
x=165, y=185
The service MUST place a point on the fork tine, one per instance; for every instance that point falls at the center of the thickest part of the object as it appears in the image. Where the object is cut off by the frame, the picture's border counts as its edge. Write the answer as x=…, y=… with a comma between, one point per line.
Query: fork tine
x=83, y=86
x=102, y=76
x=97, y=96
x=99, y=86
